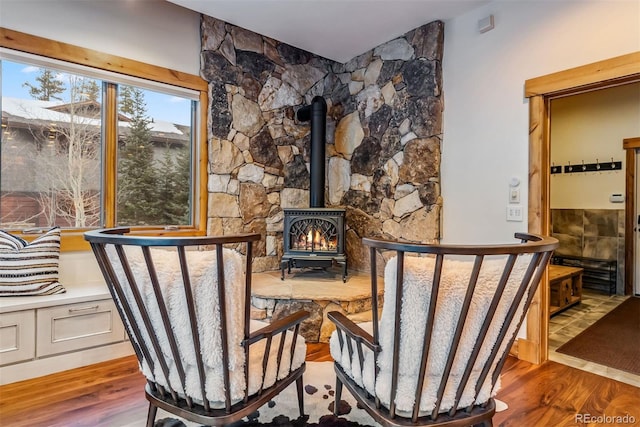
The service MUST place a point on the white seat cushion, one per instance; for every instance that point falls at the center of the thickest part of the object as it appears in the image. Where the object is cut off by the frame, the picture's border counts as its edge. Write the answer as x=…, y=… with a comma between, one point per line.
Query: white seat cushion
x=203, y=274
x=418, y=277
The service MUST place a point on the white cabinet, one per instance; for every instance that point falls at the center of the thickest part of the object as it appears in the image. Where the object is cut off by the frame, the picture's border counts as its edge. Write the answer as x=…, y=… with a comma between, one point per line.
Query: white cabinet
x=17, y=338
x=76, y=326
x=35, y=333
x=44, y=334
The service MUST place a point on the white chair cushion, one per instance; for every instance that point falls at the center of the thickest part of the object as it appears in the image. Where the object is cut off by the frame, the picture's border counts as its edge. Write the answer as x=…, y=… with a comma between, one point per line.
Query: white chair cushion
x=203, y=274
x=418, y=277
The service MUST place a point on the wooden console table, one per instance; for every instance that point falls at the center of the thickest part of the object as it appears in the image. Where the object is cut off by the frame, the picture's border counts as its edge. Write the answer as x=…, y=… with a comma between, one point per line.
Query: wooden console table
x=565, y=285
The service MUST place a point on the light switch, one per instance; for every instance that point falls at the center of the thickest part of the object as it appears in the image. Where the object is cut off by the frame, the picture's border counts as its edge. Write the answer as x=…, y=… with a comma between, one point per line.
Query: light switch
x=514, y=195
x=514, y=212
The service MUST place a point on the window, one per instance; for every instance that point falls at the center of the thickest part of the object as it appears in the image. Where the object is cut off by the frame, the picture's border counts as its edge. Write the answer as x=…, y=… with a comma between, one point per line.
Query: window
x=50, y=171
x=154, y=158
x=85, y=147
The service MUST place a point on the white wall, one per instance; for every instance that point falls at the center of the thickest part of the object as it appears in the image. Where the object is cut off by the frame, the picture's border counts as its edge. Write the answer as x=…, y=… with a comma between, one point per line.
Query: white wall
x=151, y=31
x=590, y=127
x=486, y=115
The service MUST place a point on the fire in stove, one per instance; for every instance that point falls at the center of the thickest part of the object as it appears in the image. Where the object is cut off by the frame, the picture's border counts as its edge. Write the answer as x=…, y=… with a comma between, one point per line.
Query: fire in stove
x=314, y=240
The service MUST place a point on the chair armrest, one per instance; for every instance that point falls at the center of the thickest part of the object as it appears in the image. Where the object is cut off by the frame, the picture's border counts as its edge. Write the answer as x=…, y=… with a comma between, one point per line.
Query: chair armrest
x=277, y=326
x=352, y=330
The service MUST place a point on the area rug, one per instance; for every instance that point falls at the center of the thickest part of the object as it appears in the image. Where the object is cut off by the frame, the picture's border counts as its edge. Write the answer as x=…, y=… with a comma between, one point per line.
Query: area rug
x=612, y=341
x=319, y=391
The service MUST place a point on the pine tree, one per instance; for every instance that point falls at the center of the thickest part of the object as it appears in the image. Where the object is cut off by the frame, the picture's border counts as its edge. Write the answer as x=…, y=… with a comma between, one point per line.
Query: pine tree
x=90, y=90
x=126, y=100
x=174, y=178
x=183, y=178
x=49, y=86
x=137, y=178
x=167, y=188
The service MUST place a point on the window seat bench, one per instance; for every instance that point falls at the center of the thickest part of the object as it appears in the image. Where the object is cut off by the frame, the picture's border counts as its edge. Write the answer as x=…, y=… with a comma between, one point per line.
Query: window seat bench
x=41, y=335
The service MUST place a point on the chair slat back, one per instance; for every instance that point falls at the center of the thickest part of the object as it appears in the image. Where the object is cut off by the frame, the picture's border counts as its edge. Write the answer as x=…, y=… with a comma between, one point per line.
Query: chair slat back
x=447, y=324
x=178, y=334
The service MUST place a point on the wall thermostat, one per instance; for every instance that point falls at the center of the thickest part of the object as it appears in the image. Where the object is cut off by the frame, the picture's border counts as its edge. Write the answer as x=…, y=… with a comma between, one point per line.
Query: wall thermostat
x=616, y=198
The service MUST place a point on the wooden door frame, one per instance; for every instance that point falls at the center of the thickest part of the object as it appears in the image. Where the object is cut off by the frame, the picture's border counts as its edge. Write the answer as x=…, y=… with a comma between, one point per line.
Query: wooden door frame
x=630, y=145
x=540, y=91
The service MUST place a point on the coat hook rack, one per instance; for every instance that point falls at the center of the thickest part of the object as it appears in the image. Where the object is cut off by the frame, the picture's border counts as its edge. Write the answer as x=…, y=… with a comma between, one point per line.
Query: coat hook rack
x=593, y=167
x=555, y=169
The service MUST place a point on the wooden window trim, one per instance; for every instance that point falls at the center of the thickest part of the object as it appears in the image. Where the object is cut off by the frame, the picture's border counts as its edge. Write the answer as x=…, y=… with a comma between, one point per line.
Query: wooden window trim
x=73, y=240
x=92, y=58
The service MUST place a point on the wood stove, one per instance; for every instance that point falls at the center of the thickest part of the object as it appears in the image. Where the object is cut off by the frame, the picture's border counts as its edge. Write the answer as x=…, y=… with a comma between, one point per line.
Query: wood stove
x=314, y=236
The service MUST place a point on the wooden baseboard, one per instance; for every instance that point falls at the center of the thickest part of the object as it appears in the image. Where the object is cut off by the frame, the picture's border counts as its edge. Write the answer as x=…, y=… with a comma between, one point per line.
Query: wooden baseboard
x=529, y=351
x=514, y=349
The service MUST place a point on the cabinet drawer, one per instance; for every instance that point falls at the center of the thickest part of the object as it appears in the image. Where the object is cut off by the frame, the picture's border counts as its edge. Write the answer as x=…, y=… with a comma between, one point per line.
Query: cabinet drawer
x=76, y=326
x=17, y=336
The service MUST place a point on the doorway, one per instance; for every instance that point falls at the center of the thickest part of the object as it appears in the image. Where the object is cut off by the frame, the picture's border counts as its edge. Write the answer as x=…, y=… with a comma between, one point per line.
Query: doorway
x=609, y=73
x=587, y=187
x=587, y=215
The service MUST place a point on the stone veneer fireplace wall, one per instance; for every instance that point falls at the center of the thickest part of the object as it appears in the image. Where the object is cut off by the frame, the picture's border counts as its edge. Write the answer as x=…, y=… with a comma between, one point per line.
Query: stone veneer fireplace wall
x=384, y=130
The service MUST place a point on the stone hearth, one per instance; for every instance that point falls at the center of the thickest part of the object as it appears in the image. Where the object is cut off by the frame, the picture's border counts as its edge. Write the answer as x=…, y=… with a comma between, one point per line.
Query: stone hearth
x=316, y=291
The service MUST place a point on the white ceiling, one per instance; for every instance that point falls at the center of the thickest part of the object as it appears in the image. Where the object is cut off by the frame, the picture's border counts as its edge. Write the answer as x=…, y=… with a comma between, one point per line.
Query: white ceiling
x=335, y=29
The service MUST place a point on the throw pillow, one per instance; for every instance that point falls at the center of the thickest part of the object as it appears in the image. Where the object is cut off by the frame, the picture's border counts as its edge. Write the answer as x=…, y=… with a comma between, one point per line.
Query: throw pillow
x=30, y=268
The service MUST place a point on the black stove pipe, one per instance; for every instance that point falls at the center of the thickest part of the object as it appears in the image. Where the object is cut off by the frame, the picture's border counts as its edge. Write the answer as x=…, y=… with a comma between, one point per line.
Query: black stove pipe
x=317, y=113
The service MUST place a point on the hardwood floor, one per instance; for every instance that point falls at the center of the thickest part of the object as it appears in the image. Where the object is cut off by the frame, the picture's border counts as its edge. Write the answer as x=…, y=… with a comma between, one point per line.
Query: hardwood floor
x=86, y=396
x=110, y=394
x=558, y=395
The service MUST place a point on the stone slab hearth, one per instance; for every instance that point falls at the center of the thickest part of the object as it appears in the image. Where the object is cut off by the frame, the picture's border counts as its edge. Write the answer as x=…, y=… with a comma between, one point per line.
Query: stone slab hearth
x=318, y=292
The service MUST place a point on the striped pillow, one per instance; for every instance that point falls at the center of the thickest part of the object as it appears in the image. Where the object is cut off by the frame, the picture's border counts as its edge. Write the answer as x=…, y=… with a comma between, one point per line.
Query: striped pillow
x=30, y=268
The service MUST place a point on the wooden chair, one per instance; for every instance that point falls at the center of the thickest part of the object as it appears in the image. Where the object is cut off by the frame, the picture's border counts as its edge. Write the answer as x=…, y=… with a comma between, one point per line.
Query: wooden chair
x=187, y=312
x=449, y=317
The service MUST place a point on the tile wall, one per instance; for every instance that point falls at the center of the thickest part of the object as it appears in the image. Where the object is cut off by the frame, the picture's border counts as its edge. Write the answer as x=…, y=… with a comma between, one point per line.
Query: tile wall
x=591, y=233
